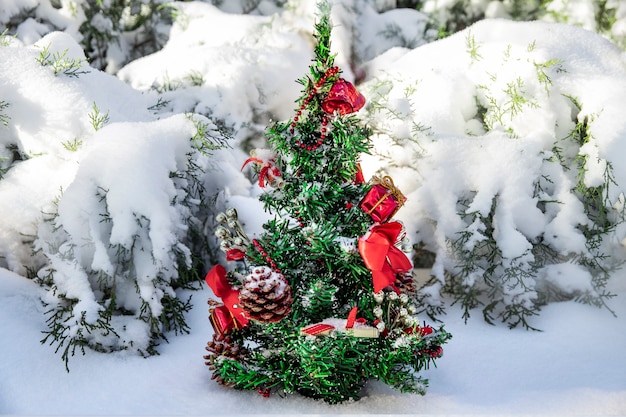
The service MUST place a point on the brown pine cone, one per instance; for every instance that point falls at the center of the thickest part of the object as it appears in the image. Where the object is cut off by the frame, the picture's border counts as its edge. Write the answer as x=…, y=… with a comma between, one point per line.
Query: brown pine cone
x=405, y=282
x=265, y=295
x=222, y=346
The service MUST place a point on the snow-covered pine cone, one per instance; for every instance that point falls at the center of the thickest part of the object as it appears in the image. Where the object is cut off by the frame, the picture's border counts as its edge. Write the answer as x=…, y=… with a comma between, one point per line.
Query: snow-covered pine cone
x=265, y=295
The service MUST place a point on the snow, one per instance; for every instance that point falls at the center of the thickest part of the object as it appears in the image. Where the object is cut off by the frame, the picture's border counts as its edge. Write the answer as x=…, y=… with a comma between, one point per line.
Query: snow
x=101, y=168
x=574, y=367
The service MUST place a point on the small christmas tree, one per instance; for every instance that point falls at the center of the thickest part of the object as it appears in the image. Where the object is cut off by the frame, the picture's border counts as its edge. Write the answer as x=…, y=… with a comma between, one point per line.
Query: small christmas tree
x=323, y=300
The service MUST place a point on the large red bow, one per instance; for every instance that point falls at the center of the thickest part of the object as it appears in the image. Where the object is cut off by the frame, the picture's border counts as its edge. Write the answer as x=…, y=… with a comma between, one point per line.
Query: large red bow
x=381, y=256
x=216, y=279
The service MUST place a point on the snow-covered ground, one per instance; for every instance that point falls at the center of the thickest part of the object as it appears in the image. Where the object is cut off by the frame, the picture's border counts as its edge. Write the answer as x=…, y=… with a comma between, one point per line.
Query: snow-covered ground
x=94, y=164
x=575, y=367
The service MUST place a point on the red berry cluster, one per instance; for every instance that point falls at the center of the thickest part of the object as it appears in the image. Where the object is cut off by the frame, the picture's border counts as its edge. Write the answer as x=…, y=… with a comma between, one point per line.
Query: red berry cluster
x=262, y=251
x=329, y=73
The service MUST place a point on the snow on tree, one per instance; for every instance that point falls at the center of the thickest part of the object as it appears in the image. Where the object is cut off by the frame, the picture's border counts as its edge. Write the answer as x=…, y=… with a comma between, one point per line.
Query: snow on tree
x=104, y=201
x=511, y=167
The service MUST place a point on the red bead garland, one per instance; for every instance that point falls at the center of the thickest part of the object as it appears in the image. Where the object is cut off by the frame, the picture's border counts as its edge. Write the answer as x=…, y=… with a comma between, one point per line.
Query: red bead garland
x=262, y=251
x=329, y=73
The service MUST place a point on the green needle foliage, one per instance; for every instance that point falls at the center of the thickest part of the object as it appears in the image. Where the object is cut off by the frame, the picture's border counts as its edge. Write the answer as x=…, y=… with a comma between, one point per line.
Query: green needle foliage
x=312, y=242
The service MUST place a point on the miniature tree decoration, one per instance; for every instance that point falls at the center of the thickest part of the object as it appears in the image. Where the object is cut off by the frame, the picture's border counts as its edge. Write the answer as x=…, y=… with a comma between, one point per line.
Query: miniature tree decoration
x=322, y=300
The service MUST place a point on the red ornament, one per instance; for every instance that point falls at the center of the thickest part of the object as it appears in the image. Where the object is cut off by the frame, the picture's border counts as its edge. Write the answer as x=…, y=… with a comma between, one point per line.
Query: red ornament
x=268, y=171
x=235, y=255
x=317, y=329
x=216, y=279
x=358, y=178
x=426, y=330
x=222, y=320
x=436, y=352
x=383, y=200
x=266, y=392
x=344, y=98
x=382, y=257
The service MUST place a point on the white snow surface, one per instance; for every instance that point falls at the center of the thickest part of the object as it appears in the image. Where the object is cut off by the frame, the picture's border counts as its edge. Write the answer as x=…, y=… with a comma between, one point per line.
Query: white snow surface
x=248, y=66
x=574, y=367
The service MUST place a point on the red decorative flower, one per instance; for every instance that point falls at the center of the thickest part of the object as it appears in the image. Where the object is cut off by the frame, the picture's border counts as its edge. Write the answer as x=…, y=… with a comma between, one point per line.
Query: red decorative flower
x=344, y=98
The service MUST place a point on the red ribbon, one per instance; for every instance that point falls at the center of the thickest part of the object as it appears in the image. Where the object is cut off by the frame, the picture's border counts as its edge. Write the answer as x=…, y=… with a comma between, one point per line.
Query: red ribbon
x=352, y=319
x=216, y=279
x=268, y=170
x=382, y=257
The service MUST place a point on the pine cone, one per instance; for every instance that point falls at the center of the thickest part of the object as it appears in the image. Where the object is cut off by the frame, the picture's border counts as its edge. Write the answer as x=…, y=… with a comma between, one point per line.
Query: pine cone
x=405, y=282
x=222, y=346
x=265, y=295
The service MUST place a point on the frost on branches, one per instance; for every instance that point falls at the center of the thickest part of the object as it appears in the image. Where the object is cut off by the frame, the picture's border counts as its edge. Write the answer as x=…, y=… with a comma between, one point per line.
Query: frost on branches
x=323, y=299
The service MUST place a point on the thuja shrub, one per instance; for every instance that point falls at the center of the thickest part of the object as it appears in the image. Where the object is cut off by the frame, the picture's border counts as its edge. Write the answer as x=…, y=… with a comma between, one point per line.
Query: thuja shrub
x=112, y=33
x=118, y=252
x=605, y=17
x=514, y=188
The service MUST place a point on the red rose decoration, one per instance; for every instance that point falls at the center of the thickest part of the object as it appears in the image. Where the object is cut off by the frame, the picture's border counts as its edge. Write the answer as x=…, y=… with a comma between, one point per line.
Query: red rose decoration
x=344, y=98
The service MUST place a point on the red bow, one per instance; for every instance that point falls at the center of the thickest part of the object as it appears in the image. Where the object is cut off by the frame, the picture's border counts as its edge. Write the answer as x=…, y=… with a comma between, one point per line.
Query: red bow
x=377, y=248
x=267, y=171
x=216, y=279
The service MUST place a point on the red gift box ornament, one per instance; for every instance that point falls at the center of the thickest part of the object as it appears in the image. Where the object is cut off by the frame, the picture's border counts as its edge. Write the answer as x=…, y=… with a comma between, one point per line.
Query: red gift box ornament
x=222, y=320
x=383, y=200
x=358, y=177
x=344, y=98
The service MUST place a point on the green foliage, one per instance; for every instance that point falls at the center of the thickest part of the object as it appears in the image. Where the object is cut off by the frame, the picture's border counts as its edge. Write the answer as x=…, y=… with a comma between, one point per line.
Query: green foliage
x=138, y=22
x=451, y=17
x=512, y=289
x=472, y=47
x=602, y=214
x=485, y=278
x=98, y=120
x=72, y=145
x=5, y=38
x=209, y=136
x=60, y=63
x=124, y=306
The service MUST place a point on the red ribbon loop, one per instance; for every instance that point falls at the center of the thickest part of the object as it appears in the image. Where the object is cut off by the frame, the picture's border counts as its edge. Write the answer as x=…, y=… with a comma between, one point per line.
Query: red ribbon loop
x=382, y=257
x=268, y=171
x=216, y=279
